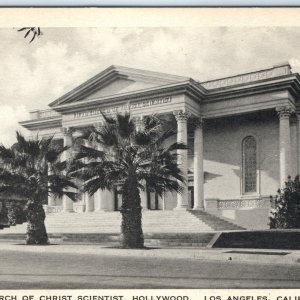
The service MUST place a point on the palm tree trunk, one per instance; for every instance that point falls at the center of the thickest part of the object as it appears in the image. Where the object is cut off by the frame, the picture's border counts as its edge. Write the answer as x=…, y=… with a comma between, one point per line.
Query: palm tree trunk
x=36, y=230
x=131, y=227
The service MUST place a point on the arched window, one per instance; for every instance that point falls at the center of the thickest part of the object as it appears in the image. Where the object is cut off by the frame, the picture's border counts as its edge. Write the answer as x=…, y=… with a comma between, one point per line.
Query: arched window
x=249, y=165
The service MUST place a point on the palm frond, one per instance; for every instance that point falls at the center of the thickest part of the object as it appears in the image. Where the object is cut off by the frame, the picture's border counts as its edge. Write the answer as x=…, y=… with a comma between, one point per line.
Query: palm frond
x=108, y=119
x=89, y=153
x=125, y=125
x=146, y=152
x=25, y=165
x=108, y=136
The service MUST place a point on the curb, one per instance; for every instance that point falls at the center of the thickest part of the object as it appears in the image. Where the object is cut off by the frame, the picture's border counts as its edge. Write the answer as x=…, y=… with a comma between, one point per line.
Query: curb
x=229, y=255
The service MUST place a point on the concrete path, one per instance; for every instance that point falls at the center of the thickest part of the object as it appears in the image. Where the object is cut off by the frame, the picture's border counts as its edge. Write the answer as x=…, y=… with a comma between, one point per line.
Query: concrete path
x=96, y=267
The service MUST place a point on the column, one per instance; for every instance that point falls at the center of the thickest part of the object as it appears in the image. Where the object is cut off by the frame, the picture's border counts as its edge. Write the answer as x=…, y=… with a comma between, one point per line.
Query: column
x=198, y=167
x=139, y=123
x=100, y=200
x=67, y=202
x=284, y=114
x=143, y=195
x=100, y=197
x=294, y=146
x=89, y=203
x=181, y=118
x=109, y=200
x=51, y=198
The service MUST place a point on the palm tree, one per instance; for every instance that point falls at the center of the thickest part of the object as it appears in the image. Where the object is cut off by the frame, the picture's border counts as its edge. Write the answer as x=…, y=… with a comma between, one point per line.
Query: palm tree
x=32, y=169
x=135, y=159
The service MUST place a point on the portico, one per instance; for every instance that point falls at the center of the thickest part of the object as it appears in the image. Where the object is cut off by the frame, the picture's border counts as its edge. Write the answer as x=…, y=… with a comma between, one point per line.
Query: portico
x=242, y=133
x=110, y=200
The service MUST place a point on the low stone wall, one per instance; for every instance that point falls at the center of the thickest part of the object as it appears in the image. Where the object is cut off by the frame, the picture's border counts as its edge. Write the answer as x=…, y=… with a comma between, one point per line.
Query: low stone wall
x=250, y=213
x=264, y=239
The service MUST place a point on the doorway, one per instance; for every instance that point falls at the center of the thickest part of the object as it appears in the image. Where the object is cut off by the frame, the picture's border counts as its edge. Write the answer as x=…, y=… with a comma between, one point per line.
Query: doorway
x=154, y=202
x=191, y=197
x=118, y=199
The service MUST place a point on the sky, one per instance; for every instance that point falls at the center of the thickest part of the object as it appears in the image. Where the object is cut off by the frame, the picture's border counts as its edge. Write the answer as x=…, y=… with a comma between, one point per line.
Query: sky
x=35, y=74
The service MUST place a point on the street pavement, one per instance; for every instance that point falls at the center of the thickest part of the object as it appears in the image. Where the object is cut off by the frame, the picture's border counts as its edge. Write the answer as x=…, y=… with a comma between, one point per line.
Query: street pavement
x=94, y=266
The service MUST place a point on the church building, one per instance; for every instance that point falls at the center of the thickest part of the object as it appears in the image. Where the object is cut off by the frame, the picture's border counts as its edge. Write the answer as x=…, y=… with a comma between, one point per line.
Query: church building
x=245, y=145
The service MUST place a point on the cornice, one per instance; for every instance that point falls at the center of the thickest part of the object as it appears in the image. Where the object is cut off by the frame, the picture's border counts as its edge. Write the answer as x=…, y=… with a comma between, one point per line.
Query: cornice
x=42, y=123
x=146, y=74
x=87, y=88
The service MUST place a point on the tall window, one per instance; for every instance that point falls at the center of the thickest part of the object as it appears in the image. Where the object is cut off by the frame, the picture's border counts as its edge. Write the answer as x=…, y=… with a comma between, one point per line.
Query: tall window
x=249, y=165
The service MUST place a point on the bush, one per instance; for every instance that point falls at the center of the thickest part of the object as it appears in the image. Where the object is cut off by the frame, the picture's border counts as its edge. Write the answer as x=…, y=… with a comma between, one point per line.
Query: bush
x=3, y=214
x=15, y=213
x=286, y=211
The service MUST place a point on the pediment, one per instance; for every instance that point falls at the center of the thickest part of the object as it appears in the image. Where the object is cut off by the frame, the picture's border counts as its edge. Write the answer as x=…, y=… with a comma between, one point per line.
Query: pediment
x=119, y=86
x=116, y=80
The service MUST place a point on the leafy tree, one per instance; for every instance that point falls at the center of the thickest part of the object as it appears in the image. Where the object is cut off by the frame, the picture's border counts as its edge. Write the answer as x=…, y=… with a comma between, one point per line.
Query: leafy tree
x=132, y=158
x=286, y=212
x=31, y=169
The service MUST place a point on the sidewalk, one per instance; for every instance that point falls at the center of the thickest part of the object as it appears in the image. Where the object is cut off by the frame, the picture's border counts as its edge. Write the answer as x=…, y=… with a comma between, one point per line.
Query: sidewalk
x=263, y=256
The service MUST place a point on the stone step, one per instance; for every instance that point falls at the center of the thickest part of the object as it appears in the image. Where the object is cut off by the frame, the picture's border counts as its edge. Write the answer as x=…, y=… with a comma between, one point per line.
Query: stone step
x=110, y=222
x=152, y=240
x=215, y=222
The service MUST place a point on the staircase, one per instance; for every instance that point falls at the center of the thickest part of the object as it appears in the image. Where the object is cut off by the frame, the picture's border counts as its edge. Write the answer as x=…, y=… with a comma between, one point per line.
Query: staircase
x=214, y=222
x=161, y=228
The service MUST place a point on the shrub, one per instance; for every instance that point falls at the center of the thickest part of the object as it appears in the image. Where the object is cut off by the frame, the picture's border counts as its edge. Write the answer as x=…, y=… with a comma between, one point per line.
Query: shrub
x=3, y=214
x=15, y=213
x=286, y=211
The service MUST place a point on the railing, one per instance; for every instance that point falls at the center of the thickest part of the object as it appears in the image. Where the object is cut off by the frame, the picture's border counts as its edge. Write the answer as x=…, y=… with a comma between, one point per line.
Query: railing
x=44, y=114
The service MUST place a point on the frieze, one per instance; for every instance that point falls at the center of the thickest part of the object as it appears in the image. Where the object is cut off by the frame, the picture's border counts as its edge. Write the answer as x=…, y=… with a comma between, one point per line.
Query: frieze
x=123, y=107
x=243, y=203
x=49, y=113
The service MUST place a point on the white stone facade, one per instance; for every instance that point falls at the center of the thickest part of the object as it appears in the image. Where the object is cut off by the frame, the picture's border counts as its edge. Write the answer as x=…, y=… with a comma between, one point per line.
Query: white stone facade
x=243, y=144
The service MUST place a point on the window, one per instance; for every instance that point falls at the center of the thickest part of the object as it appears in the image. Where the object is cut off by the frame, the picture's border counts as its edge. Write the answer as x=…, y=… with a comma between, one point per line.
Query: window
x=249, y=165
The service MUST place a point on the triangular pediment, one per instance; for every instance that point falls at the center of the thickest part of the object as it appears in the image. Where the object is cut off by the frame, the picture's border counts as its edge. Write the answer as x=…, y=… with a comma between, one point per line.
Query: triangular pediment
x=116, y=80
x=119, y=86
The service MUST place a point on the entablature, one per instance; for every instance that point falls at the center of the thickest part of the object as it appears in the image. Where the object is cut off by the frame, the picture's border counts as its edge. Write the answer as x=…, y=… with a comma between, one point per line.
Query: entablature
x=42, y=123
x=183, y=88
x=289, y=83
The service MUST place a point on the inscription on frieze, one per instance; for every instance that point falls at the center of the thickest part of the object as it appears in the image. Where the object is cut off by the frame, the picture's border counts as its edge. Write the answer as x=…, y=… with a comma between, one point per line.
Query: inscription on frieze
x=245, y=78
x=124, y=107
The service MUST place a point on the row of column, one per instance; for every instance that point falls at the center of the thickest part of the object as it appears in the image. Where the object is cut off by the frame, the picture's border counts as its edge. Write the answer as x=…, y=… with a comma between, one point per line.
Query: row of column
x=97, y=202
x=289, y=152
x=182, y=137
x=182, y=198
x=289, y=155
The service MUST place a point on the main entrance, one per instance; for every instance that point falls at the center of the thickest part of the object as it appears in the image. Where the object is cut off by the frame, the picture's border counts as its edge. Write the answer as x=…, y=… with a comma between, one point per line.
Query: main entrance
x=154, y=201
